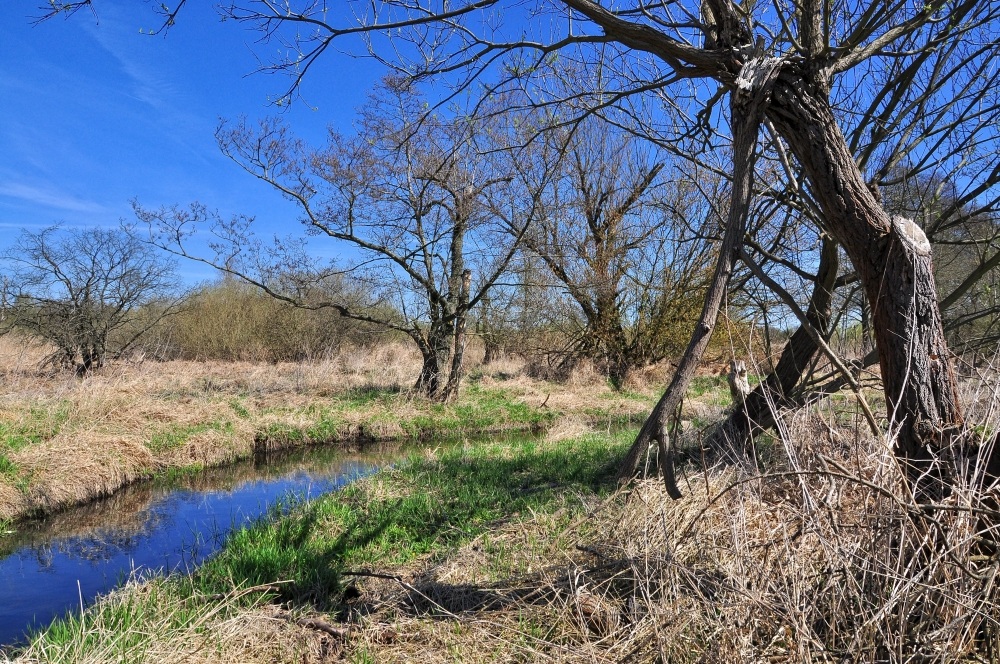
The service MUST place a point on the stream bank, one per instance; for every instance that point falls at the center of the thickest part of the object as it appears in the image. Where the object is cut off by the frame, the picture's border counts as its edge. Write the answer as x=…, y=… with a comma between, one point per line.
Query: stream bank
x=49, y=566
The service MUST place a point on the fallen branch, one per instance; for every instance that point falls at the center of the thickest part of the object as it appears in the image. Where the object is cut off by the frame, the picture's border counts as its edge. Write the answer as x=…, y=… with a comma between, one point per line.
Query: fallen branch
x=323, y=626
x=406, y=586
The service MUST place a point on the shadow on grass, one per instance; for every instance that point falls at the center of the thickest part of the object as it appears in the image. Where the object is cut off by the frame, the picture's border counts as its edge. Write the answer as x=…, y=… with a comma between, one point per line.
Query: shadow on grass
x=423, y=507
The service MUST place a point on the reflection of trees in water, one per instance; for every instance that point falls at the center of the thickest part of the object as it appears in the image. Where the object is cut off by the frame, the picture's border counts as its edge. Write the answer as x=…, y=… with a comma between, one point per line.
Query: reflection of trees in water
x=116, y=524
x=90, y=531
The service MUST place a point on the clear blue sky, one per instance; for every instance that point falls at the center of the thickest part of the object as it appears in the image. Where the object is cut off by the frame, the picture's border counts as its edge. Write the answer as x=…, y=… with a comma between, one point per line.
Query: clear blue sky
x=94, y=113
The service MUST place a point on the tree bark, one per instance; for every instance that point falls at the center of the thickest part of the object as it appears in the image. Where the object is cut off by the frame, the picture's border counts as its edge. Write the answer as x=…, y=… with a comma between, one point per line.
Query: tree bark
x=893, y=263
x=458, y=352
x=747, y=107
x=427, y=381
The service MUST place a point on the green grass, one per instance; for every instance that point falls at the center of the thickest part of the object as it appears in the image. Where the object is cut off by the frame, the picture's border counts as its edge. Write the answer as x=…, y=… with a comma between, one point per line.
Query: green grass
x=41, y=423
x=478, y=410
x=176, y=435
x=239, y=408
x=178, y=474
x=8, y=468
x=419, y=508
x=714, y=386
x=125, y=626
x=10, y=472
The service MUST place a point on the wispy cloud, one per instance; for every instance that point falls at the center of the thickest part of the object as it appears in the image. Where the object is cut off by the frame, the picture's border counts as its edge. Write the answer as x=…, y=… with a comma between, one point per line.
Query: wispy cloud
x=113, y=35
x=49, y=197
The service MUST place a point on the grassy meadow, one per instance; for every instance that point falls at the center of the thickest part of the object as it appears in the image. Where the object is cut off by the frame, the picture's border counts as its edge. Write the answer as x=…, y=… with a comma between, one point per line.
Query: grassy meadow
x=516, y=549
x=65, y=440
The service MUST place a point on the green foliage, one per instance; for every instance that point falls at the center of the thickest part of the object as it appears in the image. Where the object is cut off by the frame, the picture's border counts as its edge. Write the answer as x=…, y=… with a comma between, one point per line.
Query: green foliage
x=703, y=385
x=125, y=626
x=477, y=410
x=241, y=411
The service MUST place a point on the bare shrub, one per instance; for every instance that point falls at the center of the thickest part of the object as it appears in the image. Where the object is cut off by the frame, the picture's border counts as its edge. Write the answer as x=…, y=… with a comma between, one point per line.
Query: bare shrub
x=232, y=321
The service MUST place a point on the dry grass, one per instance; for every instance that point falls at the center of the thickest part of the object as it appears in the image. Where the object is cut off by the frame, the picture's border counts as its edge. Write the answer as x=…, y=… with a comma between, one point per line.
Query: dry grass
x=194, y=631
x=70, y=440
x=73, y=440
x=818, y=560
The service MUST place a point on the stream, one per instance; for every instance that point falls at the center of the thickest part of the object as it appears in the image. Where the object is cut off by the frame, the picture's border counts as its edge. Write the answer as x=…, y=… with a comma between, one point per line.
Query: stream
x=53, y=565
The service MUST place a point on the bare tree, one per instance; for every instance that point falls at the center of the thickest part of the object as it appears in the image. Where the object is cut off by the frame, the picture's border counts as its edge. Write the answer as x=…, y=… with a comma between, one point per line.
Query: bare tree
x=82, y=291
x=428, y=202
x=830, y=80
x=625, y=237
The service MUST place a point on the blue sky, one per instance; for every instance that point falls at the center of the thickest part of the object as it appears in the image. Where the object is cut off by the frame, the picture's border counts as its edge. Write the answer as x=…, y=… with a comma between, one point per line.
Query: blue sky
x=95, y=114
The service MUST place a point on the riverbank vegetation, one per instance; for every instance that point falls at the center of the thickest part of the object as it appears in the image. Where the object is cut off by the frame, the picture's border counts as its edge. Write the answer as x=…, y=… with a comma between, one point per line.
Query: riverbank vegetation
x=65, y=439
x=528, y=550
x=612, y=197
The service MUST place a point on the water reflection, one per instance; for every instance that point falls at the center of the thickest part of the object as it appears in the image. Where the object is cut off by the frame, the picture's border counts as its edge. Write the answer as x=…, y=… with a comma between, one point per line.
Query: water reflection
x=47, y=565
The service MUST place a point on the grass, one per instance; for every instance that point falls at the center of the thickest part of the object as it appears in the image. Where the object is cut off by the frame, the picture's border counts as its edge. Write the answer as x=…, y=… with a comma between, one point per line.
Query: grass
x=175, y=436
x=66, y=440
x=34, y=425
x=421, y=510
x=524, y=551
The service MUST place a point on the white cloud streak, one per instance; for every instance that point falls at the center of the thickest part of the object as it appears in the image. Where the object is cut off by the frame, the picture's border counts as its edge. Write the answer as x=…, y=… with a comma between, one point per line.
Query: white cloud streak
x=49, y=197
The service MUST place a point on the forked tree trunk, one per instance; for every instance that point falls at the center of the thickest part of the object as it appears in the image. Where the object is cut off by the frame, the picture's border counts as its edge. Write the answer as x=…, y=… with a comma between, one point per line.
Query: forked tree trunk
x=435, y=352
x=893, y=262
x=428, y=380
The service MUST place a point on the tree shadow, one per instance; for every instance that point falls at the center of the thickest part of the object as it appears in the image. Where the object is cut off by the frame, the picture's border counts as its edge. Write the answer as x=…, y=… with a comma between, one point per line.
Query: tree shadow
x=451, y=500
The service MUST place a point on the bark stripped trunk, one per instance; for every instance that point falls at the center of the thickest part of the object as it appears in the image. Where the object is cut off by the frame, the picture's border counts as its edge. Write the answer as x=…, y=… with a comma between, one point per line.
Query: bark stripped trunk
x=458, y=352
x=893, y=262
x=747, y=107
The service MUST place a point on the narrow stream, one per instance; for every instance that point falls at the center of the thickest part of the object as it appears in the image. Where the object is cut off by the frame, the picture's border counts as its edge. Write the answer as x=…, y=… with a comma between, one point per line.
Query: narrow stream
x=49, y=566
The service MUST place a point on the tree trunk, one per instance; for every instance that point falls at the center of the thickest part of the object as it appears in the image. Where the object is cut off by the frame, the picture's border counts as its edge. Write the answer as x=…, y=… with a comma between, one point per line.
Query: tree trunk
x=492, y=350
x=892, y=259
x=747, y=109
x=458, y=352
x=758, y=409
x=429, y=381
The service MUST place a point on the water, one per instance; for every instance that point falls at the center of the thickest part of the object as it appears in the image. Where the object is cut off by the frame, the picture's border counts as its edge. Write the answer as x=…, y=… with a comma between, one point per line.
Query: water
x=50, y=566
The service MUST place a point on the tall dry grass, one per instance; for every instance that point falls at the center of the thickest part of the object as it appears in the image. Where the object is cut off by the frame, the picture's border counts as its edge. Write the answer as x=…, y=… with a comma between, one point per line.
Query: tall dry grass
x=64, y=439
x=73, y=439
x=821, y=557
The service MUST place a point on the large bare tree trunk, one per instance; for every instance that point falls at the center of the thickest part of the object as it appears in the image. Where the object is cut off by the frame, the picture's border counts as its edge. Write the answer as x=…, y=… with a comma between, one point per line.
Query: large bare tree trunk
x=892, y=259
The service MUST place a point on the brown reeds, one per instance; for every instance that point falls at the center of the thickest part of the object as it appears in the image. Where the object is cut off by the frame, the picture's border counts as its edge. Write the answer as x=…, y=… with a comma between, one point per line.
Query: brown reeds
x=820, y=558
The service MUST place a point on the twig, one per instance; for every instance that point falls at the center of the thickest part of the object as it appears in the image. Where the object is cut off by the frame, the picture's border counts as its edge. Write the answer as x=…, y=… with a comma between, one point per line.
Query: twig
x=398, y=579
x=274, y=586
x=323, y=626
